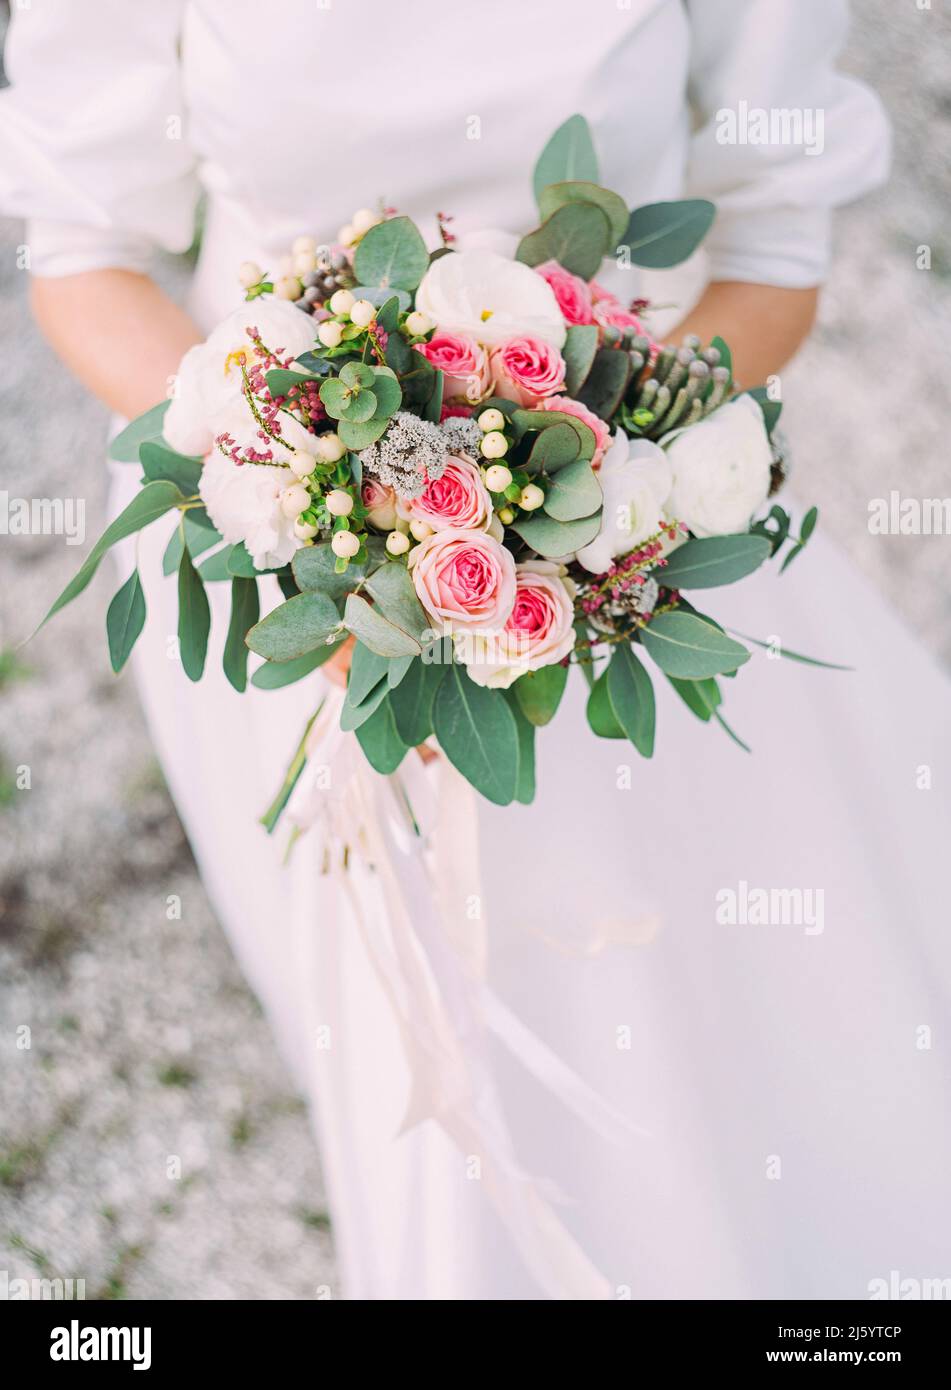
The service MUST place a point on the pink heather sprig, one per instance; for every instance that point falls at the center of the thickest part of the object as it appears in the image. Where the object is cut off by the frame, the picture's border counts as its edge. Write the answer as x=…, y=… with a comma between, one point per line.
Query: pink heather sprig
x=628, y=571
x=228, y=446
x=442, y=222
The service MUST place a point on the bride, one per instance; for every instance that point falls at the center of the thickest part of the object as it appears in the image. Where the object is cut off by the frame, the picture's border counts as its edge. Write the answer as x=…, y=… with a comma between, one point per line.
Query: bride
x=771, y=1117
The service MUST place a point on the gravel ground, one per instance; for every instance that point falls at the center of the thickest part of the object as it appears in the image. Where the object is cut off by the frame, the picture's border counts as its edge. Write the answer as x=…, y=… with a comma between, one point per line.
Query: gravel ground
x=150, y=1139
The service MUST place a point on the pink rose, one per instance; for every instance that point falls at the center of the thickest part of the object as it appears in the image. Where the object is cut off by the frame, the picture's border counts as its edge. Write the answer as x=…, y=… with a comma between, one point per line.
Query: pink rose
x=465, y=580
x=525, y=370
x=610, y=312
x=539, y=630
x=458, y=497
x=568, y=406
x=463, y=362
x=573, y=295
x=380, y=502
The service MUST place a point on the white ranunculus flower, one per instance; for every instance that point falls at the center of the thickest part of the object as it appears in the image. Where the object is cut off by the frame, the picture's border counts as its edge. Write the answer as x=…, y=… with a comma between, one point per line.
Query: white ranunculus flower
x=635, y=478
x=208, y=394
x=721, y=470
x=243, y=501
x=490, y=298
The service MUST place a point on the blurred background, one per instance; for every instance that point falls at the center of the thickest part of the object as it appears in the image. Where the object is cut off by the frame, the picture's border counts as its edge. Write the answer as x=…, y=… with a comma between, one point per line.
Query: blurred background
x=144, y=1041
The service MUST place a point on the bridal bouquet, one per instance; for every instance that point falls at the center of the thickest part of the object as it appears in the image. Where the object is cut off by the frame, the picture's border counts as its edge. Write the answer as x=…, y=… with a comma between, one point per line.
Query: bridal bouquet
x=480, y=466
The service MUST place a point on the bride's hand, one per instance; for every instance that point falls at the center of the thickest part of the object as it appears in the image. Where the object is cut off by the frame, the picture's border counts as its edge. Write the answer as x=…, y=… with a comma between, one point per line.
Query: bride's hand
x=337, y=669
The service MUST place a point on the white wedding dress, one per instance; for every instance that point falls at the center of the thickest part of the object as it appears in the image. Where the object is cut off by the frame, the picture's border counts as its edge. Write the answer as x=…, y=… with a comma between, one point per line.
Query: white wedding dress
x=786, y=1087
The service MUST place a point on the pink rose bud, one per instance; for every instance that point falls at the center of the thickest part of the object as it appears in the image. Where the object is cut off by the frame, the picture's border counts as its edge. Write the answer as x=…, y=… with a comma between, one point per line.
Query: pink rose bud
x=526, y=370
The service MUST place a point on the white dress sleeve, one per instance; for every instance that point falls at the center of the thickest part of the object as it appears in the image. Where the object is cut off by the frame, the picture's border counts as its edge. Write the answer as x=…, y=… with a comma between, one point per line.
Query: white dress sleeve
x=773, y=61
x=92, y=134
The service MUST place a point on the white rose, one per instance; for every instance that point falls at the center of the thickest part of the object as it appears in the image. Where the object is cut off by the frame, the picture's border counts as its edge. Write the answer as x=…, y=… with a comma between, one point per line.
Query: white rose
x=209, y=396
x=490, y=297
x=635, y=479
x=721, y=470
x=243, y=501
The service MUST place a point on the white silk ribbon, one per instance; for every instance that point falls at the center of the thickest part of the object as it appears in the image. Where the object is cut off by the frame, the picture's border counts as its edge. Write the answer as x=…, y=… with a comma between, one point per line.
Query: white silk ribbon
x=418, y=830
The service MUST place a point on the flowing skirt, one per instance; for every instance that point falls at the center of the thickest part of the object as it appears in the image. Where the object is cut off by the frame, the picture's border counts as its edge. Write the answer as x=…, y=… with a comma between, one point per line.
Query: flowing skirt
x=745, y=954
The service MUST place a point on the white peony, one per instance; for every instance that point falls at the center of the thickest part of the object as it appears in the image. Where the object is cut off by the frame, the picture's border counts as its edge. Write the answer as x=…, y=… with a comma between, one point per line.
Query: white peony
x=209, y=396
x=721, y=470
x=491, y=298
x=635, y=478
x=243, y=501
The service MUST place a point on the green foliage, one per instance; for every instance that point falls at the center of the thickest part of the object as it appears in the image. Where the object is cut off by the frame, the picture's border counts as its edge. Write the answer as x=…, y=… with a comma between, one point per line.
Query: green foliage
x=159, y=461
x=273, y=675
x=581, y=344
x=554, y=539
x=125, y=447
x=687, y=646
x=295, y=628
x=539, y=692
x=477, y=732
x=391, y=255
x=125, y=620
x=664, y=234
x=712, y=561
x=380, y=740
x=194, y=618
x=631, y=696
x=568, y=155
x=245, y=611
x=154, y=500
x=576, y=235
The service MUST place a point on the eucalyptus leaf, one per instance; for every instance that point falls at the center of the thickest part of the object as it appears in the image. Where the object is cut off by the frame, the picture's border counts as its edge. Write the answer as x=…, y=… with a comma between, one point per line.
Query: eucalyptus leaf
x=525, y=779
x=379, y=738
x=295, y=627
x=273, y=675
x=606, y=382
x=314, y=568
x=712, y=561
x=153, y=501
x=555, y=539
x=684, y=645
x=790, y=655
x=581, y=344
x=245, y=611
x=524, y=420
x=352, y=714
x=391, y=255
x=159, y=461
x=241, y=564
x=702, y=697
x=125, y=620
x=477, y=732
x=194, y=618
x=215, y=568
x=601, y=717
x=554, y=448
x=539, y=692
x=412, y=701
x=375, y=631
x=367, y=669
x=664, y=234
x=125, y=447
x=557, y=195
x=568, y=154
x=391, y=586
x=574, y=492
x=631, y=695
x=577, y=236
